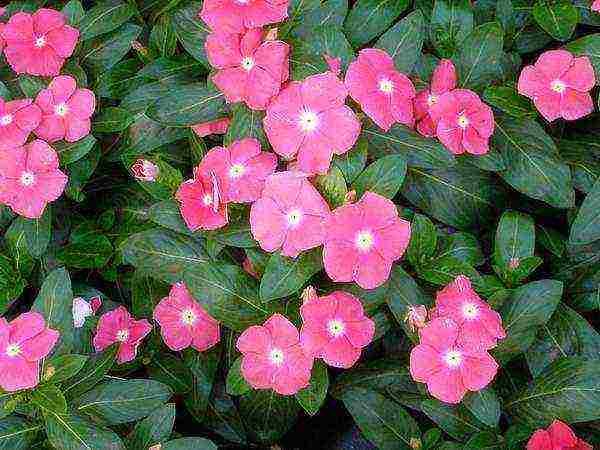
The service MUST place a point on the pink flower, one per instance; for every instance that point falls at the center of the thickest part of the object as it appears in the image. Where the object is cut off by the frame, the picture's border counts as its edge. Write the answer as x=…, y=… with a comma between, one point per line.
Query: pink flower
x=233, y=16
x=2, y=42
x=559, y=85
x=595, y=6
x=241, y=169
x=250, y=69
x=200, y=203
x=335, y=329
x=17, y=119
x=218, y=126
x=289, y=215
x=118, y=326
x=23, y=343
x=363, y=240
x=416, y=317
x=449, y=368
x=96, y=303
x=81, y=310
x=66, y=110
x=384, y=94
x=38, y=44
x=310, y=120
x=144, y=170
x=464, y=122
x=249, y=268
x=558, y=436
x=273, y=357
x=30, y=178
x=335, y=64
x=184, y=322
x=443, y=80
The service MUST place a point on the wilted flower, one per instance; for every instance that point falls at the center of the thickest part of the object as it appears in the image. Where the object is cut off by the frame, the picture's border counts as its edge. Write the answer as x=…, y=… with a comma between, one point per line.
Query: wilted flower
x=416, y=317
x=144, y=170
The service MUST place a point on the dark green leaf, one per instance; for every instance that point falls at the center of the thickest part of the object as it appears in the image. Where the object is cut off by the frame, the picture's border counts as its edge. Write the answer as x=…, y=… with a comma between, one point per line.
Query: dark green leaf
x=189, y=443
x=74, y=12
x=69, y=432
x=236, y=384
x=508, y=100
x=370, y=18
x=313, y=397
x=586, y=227
x=69, y=152
x=190, y=30
x=557, y=17
x=423, y=240
x=245, y=123
x=170, y=370
x=268, y=416
x=403, y=42
x=49, y=398
x=112, y=119
x=457, y=421
x=101, y=54
x=64, y=367
x=515, y=238
x=93, y=253
x=94, y=370
x=353, y=161
x=17, y=434
x=163, y=37
x=451, y=23
x=105, y=17
x=154, y=429
x=332, y=186
x=285, y=276
x=484, y=405
x=384, y=177
x=35, y=231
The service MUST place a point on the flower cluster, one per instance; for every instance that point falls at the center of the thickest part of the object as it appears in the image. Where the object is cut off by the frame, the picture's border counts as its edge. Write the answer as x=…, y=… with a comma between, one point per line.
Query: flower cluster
x=558, y=436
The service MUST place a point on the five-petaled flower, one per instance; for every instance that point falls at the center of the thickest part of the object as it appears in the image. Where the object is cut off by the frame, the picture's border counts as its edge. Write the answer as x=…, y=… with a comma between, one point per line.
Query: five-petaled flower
x=200, y=203
x=234, y=16
x=18, y=119
x=558, y=436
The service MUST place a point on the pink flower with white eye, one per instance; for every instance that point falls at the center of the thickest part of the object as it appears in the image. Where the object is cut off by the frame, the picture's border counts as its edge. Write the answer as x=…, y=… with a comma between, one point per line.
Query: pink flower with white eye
x=273, y=357
x=595, y=6
x=38, y=44
x=23, y=343
x=310, y=121
x=200, y=203
x=250, y=69
x=66, y=110
x=384, y=94
x=30, y=178
x=416, y=317
x=218, y=126
x=335, y=329
x=144, y=170
x=234, y=16
x=449, y=368
x=464, y=122
x=241, y=169
x=289, y=216
x=558, y=436
x=480, y=326
x=117, y=326
x=184, y=323
x=559, y=85
x=18, y=119
x=443, y=80
x=363, y=240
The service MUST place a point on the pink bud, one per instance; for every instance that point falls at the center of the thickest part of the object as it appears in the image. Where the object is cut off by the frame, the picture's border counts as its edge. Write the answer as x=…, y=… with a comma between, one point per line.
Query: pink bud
x=144, y=170
x=96, y=303
x=335, y=64
x=272, y=34
x=247, y=265
x=416, y=317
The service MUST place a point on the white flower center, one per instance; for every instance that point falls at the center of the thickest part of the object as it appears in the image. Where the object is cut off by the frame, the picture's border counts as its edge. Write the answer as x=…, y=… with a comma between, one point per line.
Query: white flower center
x=122, y=335
x=207, y=199
x=470, y=310
x=61, y=109
x=27, y=178
x=308, y=121
x=40, y=42
x=364, y=240
x=453, y=358
x=188, y=317
x=236, y=171
x=294, y=217
x=558, y=86
x=6, y=120
x=276, y=356
x=335, y=327
x=247, y=63
x=462, y=121
x=432, y=99
x=386, y=86
x=13, y=350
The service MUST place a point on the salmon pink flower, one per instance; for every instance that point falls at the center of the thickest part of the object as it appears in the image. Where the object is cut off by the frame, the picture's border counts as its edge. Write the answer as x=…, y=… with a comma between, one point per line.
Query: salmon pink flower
x=363, y=240
x=595, y=6
x=464, y=122
x=449, y=368
x=23, y=343
x=66, y=110
x=117, y=326
x=17, y=120
x=416, y=317
x=30, y=178
x=384, y=94
x=289, y=215
x=310, y=120
x=38, y=44
x=559, y=85
x=233, y=16
x=184, y=322
x=273, y=358
x=250, y=69
x=200, y=203
x=443, y=80
x=558, y=436
x=144, y=170
x=218, y=126
x=335, y=328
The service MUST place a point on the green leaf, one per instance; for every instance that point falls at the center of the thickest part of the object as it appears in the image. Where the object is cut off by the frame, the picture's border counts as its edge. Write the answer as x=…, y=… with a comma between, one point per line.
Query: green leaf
x=234, y=235
x=462, y=246
x=353, y=161
x=204, y=367
x=92, y=253
x=508, y=100
x=49, y=398
x=245, y=123
x=423, y=240
x=190, y=30
x=11, y=283
x=332, y=186
x=236, y=384
x=94, y=370
x=103, y=53
x=171, y=370
x=558, y=18
x=312, y=397
x=515, y=238
x=457, y=421
x=444, y=270
x=74, y=12
x=385, y=177
x=587, y=46
x=305, y=16
x=64, y=367
x=451, y=23
x=105, y=17
x=30, y=85
x=267, y=415
x=112, y=119
x=403, y=42
x=189, y=443
x=586, y=227
x=487, y=440
x=69, y=152
x=17, y=434
x=154, y=429
x=69, y=432
x=370, y=18
x=586, y=291
x=484, y=405
x=35, y=231
x=166, y=214
x=163, y=37
x=551, y=240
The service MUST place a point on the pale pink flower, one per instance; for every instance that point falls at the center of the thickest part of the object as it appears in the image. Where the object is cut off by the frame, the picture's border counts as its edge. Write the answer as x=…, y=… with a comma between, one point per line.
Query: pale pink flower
x=117, y=326
x=144, y=170
x=363, y=240
x=559, y=85
x=23, y=343
x=309, y=120
x=416, y=317
x=183, y=322
x=81, y=310
x=38, y=44
x=558, y=436
x=335, y=329
x=289, y=215
x=443, y=80
x=464, y=122
x=384, y=94
x=595, y=6
x=218, y=126
x=233, y=16
x=30, y=178
x=449, y=368
x=241, y=169
x=18, y=119
x=66, y=110
x=250, y=69
x=200, y=203
x=273, y=357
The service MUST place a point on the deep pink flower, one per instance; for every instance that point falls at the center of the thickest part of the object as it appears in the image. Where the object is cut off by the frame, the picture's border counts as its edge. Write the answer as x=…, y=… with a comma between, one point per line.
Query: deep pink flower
x=443, y=80
x=464, y=122
x=289, y=215
x=335, y=329
x=250, y=69
x=23, y=343
x=233, y=16
x=449, y=369
x=416, y=317
x=17, y=120
x=184, y=322
x=383, y=93
x=96, y=303
x=200, y=203
x=144, y=170
x=66, y=110
x=363, y=240
x=218, y=126
x=559, y=85
x=30, y=178
x=595, y=6
x=273, y=357
x=310, y=120
x=38, y=44
x=558, y=436
x=118, y=326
